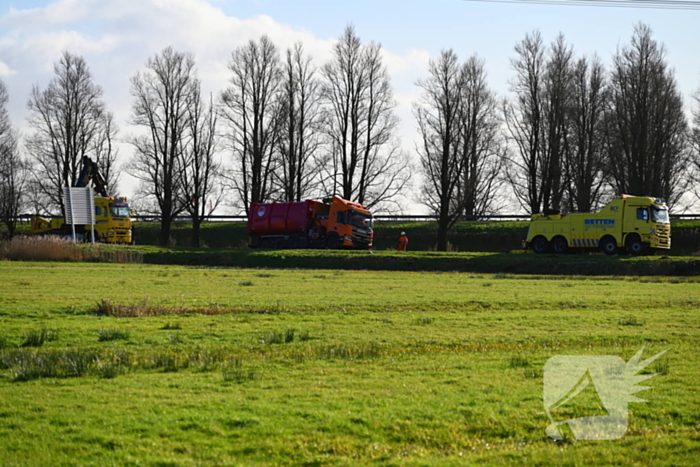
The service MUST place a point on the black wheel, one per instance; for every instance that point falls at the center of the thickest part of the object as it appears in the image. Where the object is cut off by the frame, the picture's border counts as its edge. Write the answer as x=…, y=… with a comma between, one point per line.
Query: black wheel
x=608, y=245
x=635, y=246
x=265, y=243
x=292, y=243
x=560, y=245
x=332, y=241
x=540, y=245
x=278, y=243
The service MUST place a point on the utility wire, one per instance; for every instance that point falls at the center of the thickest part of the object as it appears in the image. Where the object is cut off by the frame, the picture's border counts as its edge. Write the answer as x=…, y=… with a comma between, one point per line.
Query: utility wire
x=652, y=4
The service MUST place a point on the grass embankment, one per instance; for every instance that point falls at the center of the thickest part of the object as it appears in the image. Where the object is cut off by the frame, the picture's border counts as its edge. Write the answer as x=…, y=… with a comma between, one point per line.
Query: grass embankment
x=270, y=367
x=56, y=249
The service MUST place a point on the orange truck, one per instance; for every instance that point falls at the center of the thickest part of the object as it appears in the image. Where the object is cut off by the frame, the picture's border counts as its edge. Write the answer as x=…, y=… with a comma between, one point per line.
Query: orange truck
x=334, y=223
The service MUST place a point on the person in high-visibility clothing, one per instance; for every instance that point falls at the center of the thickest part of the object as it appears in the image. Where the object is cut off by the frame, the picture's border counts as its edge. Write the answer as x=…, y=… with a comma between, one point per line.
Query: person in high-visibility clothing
x=403, y=242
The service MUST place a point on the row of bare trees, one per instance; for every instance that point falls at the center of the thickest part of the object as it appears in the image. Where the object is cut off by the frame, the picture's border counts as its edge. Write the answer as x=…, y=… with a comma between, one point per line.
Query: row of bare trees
x=286, y=130
x=576, y=129
x=293, y=131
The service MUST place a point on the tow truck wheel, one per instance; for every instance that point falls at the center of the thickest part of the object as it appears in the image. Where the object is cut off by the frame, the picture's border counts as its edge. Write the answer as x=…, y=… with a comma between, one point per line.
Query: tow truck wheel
x=608, y=245
x=635, y=246
x=560, y=245
x=540, y=245
x=265, y=243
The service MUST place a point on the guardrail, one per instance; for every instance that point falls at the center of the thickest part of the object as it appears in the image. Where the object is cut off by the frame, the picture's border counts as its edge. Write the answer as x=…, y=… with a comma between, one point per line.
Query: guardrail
x=391, y=218
x=378, y=217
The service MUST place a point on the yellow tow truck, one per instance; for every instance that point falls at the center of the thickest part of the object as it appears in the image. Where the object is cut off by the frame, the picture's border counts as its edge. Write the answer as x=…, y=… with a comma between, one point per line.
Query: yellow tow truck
x=112, y=215
x=628, y=224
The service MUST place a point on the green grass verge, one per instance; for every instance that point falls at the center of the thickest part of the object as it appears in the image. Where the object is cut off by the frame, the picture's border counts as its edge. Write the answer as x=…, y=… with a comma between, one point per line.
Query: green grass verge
x=516, y=262
x=329, y=367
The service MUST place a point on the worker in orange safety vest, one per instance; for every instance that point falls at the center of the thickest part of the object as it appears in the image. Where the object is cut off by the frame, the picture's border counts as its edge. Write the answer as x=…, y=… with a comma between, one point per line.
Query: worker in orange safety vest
x=403, y=241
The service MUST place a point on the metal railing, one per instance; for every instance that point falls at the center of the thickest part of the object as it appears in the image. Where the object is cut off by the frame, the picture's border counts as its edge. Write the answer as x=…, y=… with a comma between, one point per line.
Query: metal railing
x=378, y=217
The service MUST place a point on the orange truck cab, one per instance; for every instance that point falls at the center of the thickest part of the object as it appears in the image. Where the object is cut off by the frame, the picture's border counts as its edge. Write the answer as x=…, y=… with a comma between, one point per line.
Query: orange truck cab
x=334, y=223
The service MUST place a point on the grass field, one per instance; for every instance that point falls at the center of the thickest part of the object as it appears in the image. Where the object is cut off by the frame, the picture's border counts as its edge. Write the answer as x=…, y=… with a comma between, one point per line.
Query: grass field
x=140, y=364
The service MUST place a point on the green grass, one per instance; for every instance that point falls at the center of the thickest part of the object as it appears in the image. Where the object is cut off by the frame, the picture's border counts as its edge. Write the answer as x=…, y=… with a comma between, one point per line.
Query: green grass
x=333, y=367
x=515, y=262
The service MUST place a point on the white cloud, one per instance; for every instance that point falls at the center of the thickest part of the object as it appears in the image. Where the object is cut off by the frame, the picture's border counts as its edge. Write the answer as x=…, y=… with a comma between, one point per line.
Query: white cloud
x=56, y=14
x=6, y=70
x=116, y=38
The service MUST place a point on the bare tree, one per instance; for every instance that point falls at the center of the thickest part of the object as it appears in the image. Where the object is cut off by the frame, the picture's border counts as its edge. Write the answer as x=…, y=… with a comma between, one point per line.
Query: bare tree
x=524, y=122
x=299, y=141
x=461, y=151
x=695, y=146
x=250, y=109
x=70, y=122
x=13, y=170
x=162, y=96
x=105, y=152
x=480, y=143
x=646, y=125
x=556, y=100
x=366, y=164
x=585, y=151
x=440, y=125
x=200, y=166
x=537, y=122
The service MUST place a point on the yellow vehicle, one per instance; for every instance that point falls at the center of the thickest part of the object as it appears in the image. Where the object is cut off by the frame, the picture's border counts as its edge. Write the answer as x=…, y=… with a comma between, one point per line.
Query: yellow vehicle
x=112, y=223
x=112, y=216
x=628, y=224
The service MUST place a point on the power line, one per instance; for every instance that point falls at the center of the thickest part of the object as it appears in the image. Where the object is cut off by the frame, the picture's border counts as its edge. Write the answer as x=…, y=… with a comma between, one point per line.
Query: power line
x=647, y=4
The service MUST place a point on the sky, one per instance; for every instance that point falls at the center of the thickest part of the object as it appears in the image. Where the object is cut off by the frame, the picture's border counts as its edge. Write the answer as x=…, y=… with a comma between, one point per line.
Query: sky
x=116, y=37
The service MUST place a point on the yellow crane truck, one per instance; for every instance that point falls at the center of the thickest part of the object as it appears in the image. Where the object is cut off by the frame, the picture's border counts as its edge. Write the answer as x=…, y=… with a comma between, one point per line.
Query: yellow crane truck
x=112, y=215
x=628, y=224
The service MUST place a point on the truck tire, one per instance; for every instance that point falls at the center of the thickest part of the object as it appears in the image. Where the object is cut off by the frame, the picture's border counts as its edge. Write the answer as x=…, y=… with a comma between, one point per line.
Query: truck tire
x=292, y=243
x=608, y=245
x=540, y=245
x=265, y=244
x=559, y=245
x=634, y=245
x=332, y=241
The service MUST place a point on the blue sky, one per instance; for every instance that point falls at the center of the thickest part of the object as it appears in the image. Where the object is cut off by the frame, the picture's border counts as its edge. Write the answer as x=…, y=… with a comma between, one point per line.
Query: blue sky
x=116, y=37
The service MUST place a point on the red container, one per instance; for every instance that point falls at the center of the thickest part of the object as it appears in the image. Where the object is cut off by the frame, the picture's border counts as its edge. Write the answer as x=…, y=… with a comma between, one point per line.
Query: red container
x=279, y=218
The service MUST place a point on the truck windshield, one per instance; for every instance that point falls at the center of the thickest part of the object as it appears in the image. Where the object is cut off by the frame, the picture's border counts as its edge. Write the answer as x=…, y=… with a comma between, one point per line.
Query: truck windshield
x=659, y=215
x=119, y=210
x=360, y=219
